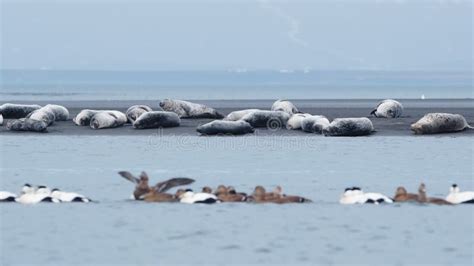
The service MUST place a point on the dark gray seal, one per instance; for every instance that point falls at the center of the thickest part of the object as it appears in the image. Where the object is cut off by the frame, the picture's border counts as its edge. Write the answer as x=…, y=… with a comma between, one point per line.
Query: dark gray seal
x=45, y=114
x=136, y=111
x=157, y=119
x=388, y=109
x=268, y=119
x=27, y=124
x=434, y=123
x=186, y=109
x=225, y=127
x=349, y=127
x=14, y=111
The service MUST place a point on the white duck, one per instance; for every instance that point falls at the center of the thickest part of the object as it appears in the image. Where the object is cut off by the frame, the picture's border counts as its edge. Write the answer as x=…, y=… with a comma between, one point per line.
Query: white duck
x=6, y=196
x=190, y=197
x=457, y=197
x=64, y=196
x=355, y=195
x=32, y=196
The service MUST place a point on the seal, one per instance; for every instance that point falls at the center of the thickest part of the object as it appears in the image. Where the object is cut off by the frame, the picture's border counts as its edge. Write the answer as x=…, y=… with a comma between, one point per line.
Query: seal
x=1, y=120
x=83, y=118
x=108, y=119
x=60, y=112
x=157, y=119
x=388, y=109
x=186, y=109
x=295, y=121
x=349, y=127
x=434, y=123
x=27, y=124
x=237, y=115
x=269, y=119
x=15, y=111
x=285, y=106
x=225, y=127
x=135, y=111
x=45, y=114
x=314, y=124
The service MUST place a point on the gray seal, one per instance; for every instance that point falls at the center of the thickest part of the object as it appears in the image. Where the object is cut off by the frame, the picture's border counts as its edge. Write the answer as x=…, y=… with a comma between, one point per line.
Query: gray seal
x=136, y=111
x=237, y=115
x=388, y=109
x=157, y=119
x=83, y=118
x=1, y=119
x=45, y=114
x=225, y=127
x=314, y=124
x=268, y=119
x=186, y=109
x=285, y=106
x=60, y=112
x=14, y=111
x=27, y=124
x=349, y=127
x=108, y=119
x=434, y=123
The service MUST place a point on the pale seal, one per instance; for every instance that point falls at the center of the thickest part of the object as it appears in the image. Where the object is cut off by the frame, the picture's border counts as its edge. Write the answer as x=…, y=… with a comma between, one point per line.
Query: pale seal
x=45, y=114
x=1, y=120
x=27, y=124
x=388, y=109
x=225, y=127
x=10, y=110
x=83, y=118
x=295, y=121
x=285, y=106
x=434, y=123
x=135, y=111
x=237, y=115
x=157, y=119
x=108, y=119
x=269, y=119
x=186, y=109
x=349, y=127
x=314, y=124
x=60, y=112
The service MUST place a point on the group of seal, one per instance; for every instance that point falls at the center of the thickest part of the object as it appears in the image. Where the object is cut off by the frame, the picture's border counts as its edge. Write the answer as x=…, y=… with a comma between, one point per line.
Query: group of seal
x=35, y=194
x=355, y=195
x=32, y=117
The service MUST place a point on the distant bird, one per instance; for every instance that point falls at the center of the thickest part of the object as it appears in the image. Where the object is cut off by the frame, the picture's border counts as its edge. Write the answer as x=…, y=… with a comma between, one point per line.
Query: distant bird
x=68, y=196
x=401, y=195
x=42, y=194
x=422, y=96
x=156, y=193
x=355, y=195
x=457, y=197
x=6, y=196
x=422, y=198
x=189, y=197
x=260, y=195
x=228, y=194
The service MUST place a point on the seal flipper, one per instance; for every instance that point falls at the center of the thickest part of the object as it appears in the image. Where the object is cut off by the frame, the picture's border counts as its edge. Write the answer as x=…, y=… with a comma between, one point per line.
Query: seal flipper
x=373, y=112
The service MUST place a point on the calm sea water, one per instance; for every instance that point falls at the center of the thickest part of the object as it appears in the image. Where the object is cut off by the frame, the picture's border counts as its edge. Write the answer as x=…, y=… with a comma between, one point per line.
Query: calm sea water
x=16, y=85
x=119, y=231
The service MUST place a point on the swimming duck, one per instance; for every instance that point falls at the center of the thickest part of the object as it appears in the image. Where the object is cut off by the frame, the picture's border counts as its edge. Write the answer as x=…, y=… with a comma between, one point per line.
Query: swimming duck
x=6, y=196
x=229, y=194
x=401, y=195
x=355, y=195
x=422, y=198
x=260, y=195
x=33, y=197
x=457, y=197
x=156, y=193
x=68, y=196
x=189, y=197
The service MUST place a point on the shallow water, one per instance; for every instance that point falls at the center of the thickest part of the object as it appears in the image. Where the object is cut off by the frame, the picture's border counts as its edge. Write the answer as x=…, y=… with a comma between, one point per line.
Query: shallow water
x=119, y=231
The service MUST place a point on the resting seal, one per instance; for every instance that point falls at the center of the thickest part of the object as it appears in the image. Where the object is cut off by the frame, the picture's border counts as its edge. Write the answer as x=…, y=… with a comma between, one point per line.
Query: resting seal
x=135, y=111
x=237, y=115
x=186, y=109
x=388, y=109
x=225, y=127
x=349, y=127
x=269, y=119
x=60, y=112
x=83, y=118
x=157, y=119
x=314, y=124
x=296, y=120
x=1, y=119
x=433, y=123
x=27, y=124
x=285, y=106
x=108, y=119
x=10, y=110
x=45, y=114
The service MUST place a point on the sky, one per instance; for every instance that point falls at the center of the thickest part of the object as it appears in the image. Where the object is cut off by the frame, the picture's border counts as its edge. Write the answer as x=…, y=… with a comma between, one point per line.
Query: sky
x=388, y=35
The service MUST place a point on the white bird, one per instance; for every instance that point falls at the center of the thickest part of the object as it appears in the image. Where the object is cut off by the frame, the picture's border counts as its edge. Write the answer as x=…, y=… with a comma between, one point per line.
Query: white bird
x=6, y=196
x=355, y=195
x=35, y=195
x=68, y=196
x=457, y=197
x=27, y=188
x=190, y=197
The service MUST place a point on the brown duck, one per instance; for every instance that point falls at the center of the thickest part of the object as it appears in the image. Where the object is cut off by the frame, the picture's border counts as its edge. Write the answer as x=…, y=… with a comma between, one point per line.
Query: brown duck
x=401, y=195
x=422, y=198
x=259, y=195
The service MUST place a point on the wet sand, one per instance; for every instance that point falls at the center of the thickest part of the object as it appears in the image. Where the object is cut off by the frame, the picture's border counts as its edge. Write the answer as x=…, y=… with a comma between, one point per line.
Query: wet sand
x=414, y=110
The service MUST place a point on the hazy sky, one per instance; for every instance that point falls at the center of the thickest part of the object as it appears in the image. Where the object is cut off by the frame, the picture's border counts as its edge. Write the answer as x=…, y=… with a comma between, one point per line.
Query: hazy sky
x=251, y=34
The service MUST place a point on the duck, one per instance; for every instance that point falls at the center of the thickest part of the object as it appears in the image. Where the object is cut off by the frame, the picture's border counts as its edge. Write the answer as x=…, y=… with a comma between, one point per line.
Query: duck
x=6, y=196
x=34, y=197
x=190, y=197
x=260, y=195
x=64, y=196
x=455, y=196
x=355, y=195
x=401, y=195
x=156, y=193
x=422, y=198
x=27, y=188
x=229, y=194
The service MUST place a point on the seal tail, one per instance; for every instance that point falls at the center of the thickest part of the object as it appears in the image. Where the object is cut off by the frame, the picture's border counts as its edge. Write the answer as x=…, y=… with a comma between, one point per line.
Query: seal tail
x=469, y=127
